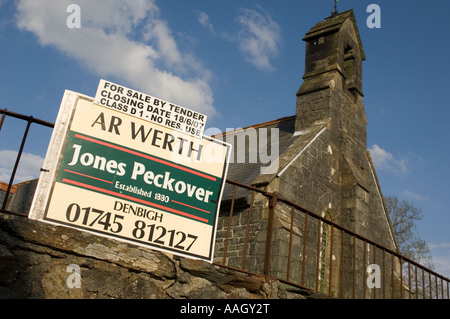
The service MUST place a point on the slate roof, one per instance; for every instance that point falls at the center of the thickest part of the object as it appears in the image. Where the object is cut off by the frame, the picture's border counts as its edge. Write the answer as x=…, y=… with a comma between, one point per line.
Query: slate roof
x=289, y=144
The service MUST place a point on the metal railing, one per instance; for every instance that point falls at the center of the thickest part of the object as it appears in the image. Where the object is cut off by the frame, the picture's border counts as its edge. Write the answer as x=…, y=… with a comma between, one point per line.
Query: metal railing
x=263, y=233
x=30, y=120
x=304, y=249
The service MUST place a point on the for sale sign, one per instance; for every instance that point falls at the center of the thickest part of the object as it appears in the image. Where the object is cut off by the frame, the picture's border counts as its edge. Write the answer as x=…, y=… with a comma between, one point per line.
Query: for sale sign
x=150, y=108
x=120, y=176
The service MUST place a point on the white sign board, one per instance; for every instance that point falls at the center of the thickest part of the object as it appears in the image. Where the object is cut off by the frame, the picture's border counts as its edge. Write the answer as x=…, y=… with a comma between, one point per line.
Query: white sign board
x=122, y=177
x=150, y=108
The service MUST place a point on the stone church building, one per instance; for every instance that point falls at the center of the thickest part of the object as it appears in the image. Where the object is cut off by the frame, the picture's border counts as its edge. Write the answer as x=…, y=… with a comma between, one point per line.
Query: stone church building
x=323, y=164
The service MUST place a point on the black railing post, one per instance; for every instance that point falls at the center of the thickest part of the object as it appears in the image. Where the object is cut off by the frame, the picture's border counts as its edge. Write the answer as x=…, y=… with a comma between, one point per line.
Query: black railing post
x=2, y=120
x=16, y=164
x=268, y=252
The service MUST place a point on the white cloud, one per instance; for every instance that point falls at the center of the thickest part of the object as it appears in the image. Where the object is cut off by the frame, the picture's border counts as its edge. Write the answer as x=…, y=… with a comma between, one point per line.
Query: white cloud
x=441, y=258
x=442, y=265
x=29, y=166
x=124, y=39
x=411, y=195
x=259, y=37
x=384, y=160
x=440, y=245
x=203, y=19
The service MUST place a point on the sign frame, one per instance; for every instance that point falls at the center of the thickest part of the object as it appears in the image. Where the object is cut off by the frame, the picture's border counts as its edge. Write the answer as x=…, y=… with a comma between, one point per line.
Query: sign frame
x=44, y=207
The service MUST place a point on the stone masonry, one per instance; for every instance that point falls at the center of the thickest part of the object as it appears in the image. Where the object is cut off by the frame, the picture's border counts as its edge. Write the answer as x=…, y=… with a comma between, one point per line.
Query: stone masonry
x=36, y=260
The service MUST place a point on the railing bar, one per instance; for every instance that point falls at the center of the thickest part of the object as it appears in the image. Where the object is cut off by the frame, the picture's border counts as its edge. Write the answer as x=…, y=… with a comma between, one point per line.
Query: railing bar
x=354, y=267
x=2, y=120
x=27, y=118
x=409, y=279
x=16, y=165
x=342, y=265
x=258, y=190
x=448, y=292
x=225, y=249
x=431, y=291
x=401, y=278
x=268, y=251
x=374, y=261
x=423, y=284
x=364, y=270
x=331, y=260
x=319, y=223
x=417, y=283
x=305, y=241
x=392, y=277
x=436, y=283
x=288, y=270
x=384, y=274
x=247, y=230
x=442, y=288
x=5, y=211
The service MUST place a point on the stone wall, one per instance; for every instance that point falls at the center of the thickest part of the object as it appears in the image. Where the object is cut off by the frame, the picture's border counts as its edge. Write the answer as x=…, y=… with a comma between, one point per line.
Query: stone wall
x=39, y=260
x=313, y=179
x=231, y=246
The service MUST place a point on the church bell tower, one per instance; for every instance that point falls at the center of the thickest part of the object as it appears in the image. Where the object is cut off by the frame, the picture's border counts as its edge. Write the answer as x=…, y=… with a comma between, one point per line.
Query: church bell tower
x=332, y=93
x=333, y=66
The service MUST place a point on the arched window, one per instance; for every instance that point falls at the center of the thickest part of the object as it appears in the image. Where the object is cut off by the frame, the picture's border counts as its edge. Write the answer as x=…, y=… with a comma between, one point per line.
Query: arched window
x=324, y=252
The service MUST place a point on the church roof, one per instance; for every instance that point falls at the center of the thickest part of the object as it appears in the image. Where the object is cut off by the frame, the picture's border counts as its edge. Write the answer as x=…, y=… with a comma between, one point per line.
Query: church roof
x=287, y=145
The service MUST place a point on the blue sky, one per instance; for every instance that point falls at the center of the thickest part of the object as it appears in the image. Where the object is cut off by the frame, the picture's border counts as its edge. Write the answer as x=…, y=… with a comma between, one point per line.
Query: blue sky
x=241, y=63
